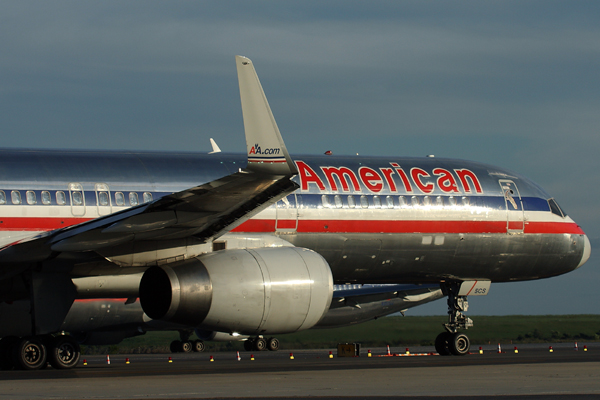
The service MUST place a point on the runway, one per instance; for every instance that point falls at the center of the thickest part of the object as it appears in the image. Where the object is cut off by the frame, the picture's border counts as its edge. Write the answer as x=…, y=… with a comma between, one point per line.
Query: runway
x=532, y=371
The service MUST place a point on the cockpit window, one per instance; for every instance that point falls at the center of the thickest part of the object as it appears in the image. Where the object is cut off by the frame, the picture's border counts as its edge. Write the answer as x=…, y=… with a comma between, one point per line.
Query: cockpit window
x=555, y=208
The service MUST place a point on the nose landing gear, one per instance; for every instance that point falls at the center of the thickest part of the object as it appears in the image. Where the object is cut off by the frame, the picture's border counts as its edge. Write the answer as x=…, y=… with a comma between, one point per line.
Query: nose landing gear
x=453, y=342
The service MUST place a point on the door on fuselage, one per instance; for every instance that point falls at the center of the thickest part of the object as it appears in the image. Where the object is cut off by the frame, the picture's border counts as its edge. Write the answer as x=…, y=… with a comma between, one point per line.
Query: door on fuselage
x=286, y=219
x=515, y=218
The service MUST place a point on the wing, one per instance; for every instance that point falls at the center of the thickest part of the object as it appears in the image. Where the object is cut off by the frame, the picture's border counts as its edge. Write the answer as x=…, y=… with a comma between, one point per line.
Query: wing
x=204, y=212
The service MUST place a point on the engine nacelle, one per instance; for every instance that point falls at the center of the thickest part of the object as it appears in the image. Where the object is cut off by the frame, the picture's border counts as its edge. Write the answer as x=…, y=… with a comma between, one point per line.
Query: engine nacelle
x=252, y=292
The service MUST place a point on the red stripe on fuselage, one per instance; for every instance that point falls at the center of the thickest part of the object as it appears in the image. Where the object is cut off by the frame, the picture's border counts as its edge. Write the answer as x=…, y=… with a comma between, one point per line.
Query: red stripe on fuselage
x=37, y=224
x=385, y=226
x=337, y=226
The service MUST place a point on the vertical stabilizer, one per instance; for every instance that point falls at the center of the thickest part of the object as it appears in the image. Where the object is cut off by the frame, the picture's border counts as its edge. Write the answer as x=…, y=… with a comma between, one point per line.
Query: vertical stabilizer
x=265, y=148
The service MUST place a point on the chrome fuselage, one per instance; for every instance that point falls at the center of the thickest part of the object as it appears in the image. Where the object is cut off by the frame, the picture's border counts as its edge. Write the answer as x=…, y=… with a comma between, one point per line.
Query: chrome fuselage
x=374, y=219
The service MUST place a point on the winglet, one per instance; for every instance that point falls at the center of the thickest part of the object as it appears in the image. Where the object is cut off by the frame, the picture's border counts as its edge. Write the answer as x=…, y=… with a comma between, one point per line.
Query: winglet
x=266, y=151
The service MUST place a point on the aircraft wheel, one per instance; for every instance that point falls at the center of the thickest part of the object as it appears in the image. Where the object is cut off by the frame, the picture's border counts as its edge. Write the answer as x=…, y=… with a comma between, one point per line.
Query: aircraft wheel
x=248, y=344
x=63, y=352
x=175, y=346
x=273, y=344
x=187, y=347
x=199, y=346
x=6, y=349
x=442, y=343
x=459, y=344
x=29, y=354
x=260, y=344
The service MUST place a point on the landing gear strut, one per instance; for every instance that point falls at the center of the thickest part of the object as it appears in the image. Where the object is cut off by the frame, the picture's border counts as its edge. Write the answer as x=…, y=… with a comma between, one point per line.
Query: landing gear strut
x=453, y=342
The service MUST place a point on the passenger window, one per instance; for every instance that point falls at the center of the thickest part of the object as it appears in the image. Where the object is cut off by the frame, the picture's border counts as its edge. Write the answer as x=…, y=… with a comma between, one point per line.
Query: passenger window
x=147, y=197
x=414, y=201
x=402, y=201
x=439, y=201
x=364, y=202
x=103, y=198
x=61, y=199
x=466, y=201
x=31, y=197
x=119, y=199
x=390, y=201
x=2, y=197
x=133, y=198
x=77, y=198
x=377, y=201
x=325, y=201
x=338, y=201
x=452, y=200
x=46, y=198
x=426, y=201
x=351, y=202
x=15, y=196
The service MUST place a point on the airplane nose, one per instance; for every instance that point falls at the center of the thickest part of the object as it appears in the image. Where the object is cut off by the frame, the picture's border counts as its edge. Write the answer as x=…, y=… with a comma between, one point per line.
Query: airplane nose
x=587, y=251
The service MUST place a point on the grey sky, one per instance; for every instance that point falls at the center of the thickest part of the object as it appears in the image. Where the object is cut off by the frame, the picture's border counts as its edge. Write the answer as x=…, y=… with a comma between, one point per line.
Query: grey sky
x=514, y=84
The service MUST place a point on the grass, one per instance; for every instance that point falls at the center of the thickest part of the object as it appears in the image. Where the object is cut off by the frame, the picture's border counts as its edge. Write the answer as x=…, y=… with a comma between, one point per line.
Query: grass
x=399, y=331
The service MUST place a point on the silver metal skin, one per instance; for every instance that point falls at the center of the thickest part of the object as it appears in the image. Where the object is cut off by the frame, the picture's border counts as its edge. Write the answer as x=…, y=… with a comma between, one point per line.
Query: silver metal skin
x=249, y=292
x=398, y=257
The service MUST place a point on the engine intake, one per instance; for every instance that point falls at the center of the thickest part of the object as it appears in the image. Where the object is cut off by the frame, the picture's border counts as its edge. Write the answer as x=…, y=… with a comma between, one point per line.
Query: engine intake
x=258, y=291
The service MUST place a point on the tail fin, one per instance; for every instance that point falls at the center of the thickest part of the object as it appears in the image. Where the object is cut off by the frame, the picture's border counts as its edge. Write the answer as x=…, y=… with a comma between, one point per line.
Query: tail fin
x=266, y=151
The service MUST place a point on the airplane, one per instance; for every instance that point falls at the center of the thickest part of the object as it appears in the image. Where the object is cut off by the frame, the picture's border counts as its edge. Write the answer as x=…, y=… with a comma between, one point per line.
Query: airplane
x=252, y=244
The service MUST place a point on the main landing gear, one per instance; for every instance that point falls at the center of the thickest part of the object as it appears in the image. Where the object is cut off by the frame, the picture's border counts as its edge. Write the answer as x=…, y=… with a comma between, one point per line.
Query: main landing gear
x=260, y=344
x=36, y=352
x=185, y=345
x=453, y=342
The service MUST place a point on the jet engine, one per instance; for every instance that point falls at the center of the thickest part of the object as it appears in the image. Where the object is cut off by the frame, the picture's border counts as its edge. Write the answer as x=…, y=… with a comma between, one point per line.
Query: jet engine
x=250, y=291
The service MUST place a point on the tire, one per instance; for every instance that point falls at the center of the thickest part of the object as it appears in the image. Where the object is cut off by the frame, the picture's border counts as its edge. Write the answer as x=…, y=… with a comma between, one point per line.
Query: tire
x=273, y=344
x=6, y=352
x=175, y=346
x=29, y=354
x=249, y=345
x=187, y=347
x=198, y=346
x=442, y=343
x=260, y=344
x=459, y=344
x=63, y=352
